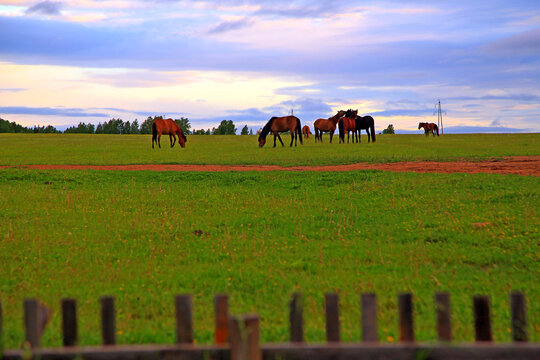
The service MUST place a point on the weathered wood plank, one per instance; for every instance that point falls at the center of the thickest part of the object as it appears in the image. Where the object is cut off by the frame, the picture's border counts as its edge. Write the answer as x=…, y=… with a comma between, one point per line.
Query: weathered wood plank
x=332, y=317
x=442, y=308
x=369, y=318
x=296, y=318
x=31, y=322
x=184, y=319
x=406, y=324
x=69, y=322
x=108, y=322
x=518, y=312
x=482, y=320
x=221, y=309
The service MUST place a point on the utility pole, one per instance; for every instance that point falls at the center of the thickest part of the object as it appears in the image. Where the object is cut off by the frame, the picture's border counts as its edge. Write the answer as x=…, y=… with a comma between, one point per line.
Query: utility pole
x=439, y=116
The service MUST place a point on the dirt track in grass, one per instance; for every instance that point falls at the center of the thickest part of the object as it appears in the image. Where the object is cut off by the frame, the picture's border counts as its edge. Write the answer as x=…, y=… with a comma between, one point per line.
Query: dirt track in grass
x=519, y=165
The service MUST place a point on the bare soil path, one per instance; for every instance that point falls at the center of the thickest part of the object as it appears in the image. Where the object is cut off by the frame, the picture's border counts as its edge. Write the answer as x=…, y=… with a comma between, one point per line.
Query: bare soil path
x=520, y=165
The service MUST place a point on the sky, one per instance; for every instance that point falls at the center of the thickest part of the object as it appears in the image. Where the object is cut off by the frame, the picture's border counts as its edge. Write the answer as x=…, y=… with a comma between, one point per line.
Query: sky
x=65, y=62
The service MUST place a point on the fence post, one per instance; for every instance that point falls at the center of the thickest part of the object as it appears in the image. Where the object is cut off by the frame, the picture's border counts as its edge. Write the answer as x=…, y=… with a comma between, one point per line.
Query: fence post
x=1, y=330
x=442, y=307
x=369, y=317
x=482, y=321
x=36, y=317
x=221, y=309
x=69, y=322
x=184, y=319
x=519, y=316
x=244, y=337
x=296, y=320
x=108, y=326
x=332, y=317
x=406, y=324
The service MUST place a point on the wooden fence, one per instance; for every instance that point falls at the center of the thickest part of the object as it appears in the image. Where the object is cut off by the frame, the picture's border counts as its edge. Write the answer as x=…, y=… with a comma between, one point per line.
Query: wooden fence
x=237, y=337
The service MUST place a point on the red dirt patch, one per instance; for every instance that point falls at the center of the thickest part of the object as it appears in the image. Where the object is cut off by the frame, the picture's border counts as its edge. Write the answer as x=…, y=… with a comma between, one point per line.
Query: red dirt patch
x=520, y=165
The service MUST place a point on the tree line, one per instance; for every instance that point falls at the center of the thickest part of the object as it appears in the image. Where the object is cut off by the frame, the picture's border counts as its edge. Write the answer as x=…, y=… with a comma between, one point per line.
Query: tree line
x=118, y=126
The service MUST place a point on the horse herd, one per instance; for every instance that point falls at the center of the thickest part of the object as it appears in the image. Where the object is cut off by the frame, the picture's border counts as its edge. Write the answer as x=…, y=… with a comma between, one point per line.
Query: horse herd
x=346, y=122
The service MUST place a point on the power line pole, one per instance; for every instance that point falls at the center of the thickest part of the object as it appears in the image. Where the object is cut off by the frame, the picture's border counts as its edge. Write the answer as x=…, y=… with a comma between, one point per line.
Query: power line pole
x=439, y=116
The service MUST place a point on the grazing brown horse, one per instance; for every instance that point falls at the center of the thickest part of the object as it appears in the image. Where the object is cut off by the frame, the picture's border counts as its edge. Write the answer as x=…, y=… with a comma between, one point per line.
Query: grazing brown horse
x=326, y=125
x=167, y=126
x=429, y=128
x=348, y=123
x=306, y=132
x=279, y=124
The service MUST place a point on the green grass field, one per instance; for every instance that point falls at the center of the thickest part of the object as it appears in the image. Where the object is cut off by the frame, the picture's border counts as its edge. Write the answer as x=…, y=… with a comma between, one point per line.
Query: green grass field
x=145, y=236
x=18, y=149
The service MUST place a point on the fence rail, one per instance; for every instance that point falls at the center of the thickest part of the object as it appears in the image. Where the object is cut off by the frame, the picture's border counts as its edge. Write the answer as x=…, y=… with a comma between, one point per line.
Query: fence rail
x=237, y=337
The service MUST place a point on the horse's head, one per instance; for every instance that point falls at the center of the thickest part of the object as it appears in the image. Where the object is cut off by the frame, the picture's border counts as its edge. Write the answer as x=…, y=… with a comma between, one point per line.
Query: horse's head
x=182, y=138
x=262, y=141
x=420, y=125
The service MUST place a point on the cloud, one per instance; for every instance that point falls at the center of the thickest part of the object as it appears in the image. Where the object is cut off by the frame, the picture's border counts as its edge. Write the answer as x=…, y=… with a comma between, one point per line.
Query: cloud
x=227, y=26
x=11, y=89
x=69, y=112
x=516, y=97
x=526, y=43
x=45, y=7
x=309, y=10
x=403, y=112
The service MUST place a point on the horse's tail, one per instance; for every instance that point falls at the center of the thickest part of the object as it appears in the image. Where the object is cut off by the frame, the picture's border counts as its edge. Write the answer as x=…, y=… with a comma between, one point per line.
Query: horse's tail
x=299, y=129
x=341, y=130
x=372, y=131
x=436, y=128
x=154, y=133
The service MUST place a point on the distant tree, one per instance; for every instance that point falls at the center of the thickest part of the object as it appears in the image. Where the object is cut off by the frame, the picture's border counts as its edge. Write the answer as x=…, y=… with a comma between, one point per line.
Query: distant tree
x=389, y=130
x=99, y=129
x=226, y=127
x=13, y=127
x=184, y=125
x=135, y=127
x=146, y=126
x=49, y=129
x=250, y=131
x=245, y=130
x=201, y=132
x=82, y=128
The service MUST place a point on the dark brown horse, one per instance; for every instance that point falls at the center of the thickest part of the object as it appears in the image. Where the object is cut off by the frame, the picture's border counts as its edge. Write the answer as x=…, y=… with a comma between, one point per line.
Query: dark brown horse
x=306, y=132
x=170, y=127
x=367, y=123
x=326, y=125
x=279, y=124
x=348, y=123
x=429, y=128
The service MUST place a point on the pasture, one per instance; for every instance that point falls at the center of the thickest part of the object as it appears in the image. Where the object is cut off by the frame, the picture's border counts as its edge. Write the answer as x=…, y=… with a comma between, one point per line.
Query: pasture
x=18, y=149
x=144, y=236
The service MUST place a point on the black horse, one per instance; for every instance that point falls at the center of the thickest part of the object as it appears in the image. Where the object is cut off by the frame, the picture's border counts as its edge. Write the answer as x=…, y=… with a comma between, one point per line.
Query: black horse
x=367, y=123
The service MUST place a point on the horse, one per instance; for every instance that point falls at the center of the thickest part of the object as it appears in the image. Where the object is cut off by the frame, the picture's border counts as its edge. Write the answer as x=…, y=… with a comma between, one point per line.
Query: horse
x=279, y=124
x=326, y=125
x=167, y=126
x=429, y=128
x=306, y=132
x=347, y=123
x=367, y=123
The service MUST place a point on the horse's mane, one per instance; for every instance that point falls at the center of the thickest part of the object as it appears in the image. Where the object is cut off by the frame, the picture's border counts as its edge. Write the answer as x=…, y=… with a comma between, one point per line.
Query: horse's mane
x=266, y=128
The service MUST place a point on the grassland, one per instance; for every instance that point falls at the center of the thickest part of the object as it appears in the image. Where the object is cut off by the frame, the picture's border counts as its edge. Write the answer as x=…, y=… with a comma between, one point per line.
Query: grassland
x=145, y=236
x=19, y=149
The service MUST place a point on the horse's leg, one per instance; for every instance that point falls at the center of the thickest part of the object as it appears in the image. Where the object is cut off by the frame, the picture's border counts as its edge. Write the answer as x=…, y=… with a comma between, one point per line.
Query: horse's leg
x=281, y=141
x=159, y=140
x=292, y=138
x=171, y=138
x=331, y=134
x=275, y=140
